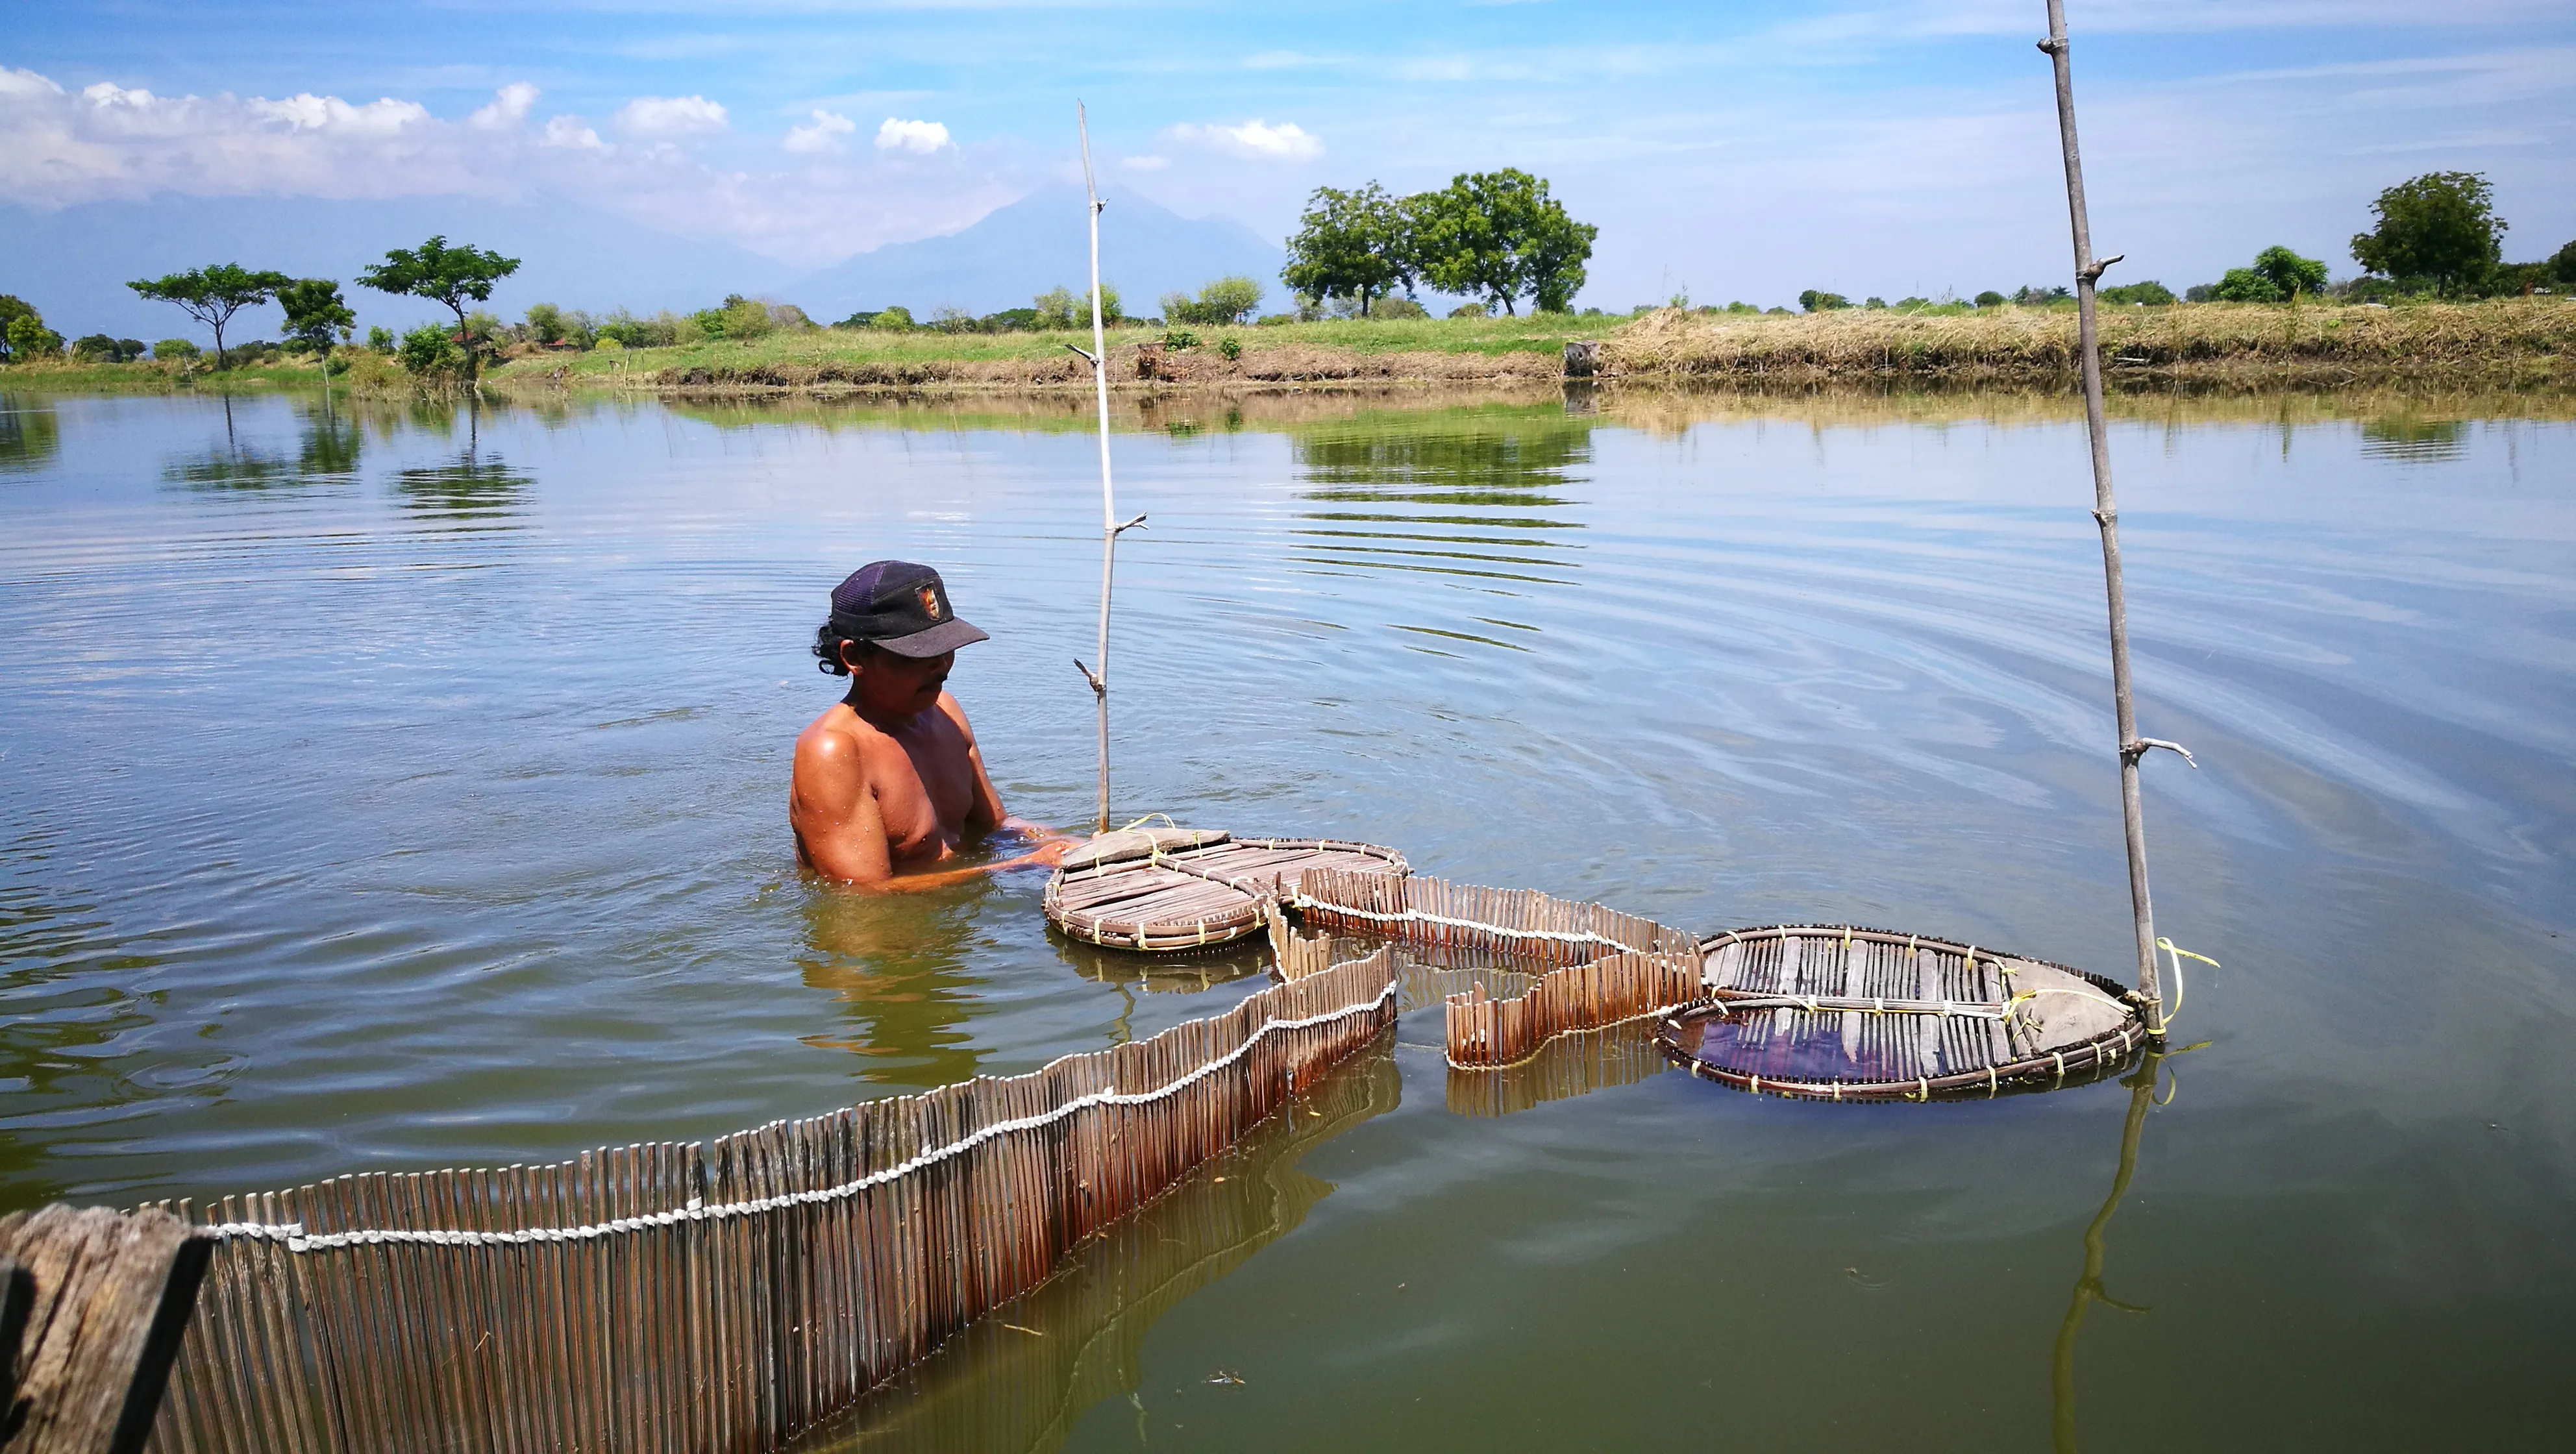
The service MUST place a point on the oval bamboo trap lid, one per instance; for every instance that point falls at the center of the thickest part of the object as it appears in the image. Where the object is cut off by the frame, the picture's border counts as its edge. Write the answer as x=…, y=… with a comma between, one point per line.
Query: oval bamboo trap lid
x=1833, y=1012
x=1164, y=889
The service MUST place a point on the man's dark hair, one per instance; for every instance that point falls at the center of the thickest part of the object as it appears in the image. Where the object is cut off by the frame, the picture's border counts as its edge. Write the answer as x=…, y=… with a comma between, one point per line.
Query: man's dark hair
x=828, y=640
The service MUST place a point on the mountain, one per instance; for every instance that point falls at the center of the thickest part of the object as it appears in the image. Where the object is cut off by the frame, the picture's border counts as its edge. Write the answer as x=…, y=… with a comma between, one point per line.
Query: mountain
x=1040, y=242
x=73, y=264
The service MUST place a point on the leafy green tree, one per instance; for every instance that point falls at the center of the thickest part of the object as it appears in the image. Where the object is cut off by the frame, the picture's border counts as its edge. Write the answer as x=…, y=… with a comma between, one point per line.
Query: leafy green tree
x=1499, y=235
x=1991, y=299
x=2150, y=292
x=2562, y=265
x=30, y=340
x=432, y=351
x=452, y=276
x=13, y=308
x=2290, y=274
x=95, y=348
x=544, y=325
x=1355, y=244
x=1815, y=301
x=2440, y=226
x=2246, y=285
x=1228, y=300
x=213, y=294
x=316, y=315
x=895, y=318
x=180, y=349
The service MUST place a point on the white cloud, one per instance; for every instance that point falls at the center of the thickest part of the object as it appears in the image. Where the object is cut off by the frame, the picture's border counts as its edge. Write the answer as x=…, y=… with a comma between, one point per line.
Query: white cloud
x=1255, y=140
x=308, y=112
x=823, y=135
x=510, y=106
x=924, y=137
x=15, y=83
x=670, y=116
x=567, y=131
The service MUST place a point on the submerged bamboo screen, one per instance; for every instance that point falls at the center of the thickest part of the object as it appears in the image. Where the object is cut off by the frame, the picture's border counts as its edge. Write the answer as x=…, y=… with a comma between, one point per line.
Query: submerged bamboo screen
x=1614, y=967
x=721, y=1297
x=1521, y=922
x=1614, y=989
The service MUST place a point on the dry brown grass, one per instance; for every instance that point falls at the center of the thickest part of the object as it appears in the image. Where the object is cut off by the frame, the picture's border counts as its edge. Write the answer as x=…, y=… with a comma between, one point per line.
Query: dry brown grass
x=2523, y=337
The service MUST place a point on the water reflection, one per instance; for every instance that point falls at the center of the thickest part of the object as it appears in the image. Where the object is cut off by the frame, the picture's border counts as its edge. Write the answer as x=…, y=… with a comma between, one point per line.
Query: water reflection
x=29, y=434
x=897, y=964
x=1465, y=494
x=1022, y=1376
x=2403, y=436
x=2088, y=1284
x=1192, y=973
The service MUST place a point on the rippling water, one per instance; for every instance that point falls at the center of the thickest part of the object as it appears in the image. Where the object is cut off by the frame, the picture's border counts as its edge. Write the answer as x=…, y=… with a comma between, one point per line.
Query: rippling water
x=401, y=788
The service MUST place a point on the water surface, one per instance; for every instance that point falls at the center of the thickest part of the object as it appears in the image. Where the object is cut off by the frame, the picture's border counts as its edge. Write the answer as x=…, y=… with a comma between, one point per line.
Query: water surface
x=404, y=787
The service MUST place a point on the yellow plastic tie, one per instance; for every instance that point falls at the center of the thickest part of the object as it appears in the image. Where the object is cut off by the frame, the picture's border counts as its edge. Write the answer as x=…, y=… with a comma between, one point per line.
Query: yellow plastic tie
x=2168, y=946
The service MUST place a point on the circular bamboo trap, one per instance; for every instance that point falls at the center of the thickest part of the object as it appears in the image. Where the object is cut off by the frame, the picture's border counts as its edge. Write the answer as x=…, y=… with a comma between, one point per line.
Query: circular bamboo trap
x=1161, y=890
x=1834, y=1012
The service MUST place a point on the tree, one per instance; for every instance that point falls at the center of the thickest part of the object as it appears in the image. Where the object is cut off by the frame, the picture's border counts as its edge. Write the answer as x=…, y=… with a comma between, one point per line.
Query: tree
x=213, y=294
x=23, y=334
x=453, y=276
x=1499, y=235
x=316, y=315
x=1228, y=300
x=2440, y=226
x=1354, y=244
x=1058, y=309
x=2246, y=285
x=2290, y=273
x=2149, y=292
x=2562, y=265
x=1820, y=302
x=1991, y=299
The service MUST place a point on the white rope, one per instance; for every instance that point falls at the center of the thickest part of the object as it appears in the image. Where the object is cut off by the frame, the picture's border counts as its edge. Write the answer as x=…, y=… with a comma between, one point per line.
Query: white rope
x=1420, y=917
x=292, y=1234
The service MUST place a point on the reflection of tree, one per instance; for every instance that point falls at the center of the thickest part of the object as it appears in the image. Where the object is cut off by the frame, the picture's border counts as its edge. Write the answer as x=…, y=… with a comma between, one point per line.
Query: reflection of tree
x=1463, y=493
x=29, y=434
x=2401, y=436
x=331, y=442
x=2088, y=1286
x=897, y=963
x=476, y=486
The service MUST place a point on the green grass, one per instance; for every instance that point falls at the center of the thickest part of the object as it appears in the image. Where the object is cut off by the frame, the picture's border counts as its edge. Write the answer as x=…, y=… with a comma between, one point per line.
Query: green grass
x=1542, y=334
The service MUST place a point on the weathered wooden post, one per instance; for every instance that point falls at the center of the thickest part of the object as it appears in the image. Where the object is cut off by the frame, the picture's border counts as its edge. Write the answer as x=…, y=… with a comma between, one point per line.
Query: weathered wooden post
x=94, y=1305
x=2106, y=513
x=1110, y=528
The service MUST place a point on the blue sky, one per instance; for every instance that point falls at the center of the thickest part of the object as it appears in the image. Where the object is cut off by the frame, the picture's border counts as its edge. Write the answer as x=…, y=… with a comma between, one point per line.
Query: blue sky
x=1729, y=150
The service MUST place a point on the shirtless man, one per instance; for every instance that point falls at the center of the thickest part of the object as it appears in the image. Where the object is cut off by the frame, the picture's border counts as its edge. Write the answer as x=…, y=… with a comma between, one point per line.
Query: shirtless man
x=888, y=783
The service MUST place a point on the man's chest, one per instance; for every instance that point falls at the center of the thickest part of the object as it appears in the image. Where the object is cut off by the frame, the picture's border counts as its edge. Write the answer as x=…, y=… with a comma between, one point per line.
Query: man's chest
x=923, y=797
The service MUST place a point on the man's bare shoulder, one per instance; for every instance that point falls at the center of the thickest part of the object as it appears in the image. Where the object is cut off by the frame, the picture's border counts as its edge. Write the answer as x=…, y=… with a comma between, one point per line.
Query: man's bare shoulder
x=840, y=739
x=950, y=708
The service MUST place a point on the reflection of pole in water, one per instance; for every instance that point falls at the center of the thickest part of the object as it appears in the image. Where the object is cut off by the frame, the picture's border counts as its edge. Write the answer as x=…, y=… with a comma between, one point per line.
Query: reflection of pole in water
x=2088, y=1287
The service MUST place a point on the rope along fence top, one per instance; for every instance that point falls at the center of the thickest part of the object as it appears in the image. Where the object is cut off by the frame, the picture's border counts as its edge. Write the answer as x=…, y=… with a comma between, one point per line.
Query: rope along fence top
x=292, y=1234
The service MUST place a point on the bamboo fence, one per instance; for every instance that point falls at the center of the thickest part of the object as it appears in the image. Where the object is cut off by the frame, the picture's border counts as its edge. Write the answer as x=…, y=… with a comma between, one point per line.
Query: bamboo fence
x=725, y=1296
x=1609, y=968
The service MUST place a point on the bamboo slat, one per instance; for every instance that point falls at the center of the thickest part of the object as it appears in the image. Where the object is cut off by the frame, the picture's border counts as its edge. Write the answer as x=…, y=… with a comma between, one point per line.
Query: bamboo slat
x=721, y=1297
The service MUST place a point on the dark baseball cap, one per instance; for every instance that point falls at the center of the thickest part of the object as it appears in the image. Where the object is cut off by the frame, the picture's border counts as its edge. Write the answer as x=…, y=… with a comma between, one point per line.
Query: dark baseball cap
x=901, y=607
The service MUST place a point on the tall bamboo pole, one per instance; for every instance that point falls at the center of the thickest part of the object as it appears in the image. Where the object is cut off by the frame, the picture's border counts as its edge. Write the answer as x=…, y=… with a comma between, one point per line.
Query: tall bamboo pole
x=1110, y=529
x=2106, y=513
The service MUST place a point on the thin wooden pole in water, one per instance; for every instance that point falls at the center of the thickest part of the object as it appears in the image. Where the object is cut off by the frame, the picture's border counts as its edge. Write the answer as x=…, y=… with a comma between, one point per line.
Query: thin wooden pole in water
x=2106, y=513
x=1110, y=528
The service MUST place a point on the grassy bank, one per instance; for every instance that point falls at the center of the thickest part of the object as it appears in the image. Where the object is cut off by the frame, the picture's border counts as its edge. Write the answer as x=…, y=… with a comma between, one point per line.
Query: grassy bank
x=2501, y=338
x=2500, y=341
x=1460, y=350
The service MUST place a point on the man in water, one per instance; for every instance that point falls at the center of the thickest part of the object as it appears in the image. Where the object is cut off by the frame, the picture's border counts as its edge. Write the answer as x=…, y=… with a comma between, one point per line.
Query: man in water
x=888, y=783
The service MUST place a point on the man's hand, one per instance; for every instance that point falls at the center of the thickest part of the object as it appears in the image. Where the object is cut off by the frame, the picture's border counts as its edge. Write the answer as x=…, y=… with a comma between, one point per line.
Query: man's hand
x=1050, y=853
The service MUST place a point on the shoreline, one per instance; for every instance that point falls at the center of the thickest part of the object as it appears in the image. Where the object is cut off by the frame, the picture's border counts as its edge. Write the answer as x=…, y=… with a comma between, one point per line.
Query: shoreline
x=2496, y=343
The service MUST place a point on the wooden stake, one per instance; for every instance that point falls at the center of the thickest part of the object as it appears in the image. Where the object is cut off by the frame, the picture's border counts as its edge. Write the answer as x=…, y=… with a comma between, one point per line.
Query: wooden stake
x=2106, y=513
x=1110, y=529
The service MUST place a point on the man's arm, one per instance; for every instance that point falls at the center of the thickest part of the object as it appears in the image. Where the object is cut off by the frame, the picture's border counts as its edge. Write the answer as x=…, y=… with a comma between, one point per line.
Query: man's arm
x=986, y=814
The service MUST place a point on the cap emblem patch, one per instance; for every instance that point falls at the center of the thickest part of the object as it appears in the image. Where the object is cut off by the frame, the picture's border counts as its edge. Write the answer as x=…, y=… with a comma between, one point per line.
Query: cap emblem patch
x=929, y=601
